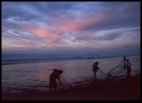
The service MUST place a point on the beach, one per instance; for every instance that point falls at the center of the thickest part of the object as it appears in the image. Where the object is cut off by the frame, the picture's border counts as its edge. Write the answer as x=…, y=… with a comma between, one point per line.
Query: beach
x=30, y=81
x=122, y=89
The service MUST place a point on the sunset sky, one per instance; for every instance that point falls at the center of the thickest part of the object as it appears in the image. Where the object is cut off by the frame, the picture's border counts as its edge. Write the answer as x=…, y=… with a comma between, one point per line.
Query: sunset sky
x=104, y=28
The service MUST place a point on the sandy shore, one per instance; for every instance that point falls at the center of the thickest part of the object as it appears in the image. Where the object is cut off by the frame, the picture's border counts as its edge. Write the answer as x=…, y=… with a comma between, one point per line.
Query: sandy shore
x=121, y=89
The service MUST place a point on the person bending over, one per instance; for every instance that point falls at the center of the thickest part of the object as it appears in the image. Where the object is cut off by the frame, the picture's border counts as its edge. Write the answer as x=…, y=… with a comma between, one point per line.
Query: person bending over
x=54, y=76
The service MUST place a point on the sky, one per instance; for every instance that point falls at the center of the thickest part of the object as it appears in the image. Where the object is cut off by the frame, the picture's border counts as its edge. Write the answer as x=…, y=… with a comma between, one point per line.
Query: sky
x=88, y=28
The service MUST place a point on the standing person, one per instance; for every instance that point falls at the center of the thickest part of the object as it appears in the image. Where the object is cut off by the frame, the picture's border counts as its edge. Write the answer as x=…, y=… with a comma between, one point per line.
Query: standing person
x=124, y=62
x=54, y=76
x=128, y=69
x=95, y=69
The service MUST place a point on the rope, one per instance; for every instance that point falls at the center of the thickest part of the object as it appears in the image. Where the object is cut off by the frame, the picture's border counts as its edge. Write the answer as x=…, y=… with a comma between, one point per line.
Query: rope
x=117, y=73
x=120, y=71
x=102, y=71
x=114, y=68
x=119, y=65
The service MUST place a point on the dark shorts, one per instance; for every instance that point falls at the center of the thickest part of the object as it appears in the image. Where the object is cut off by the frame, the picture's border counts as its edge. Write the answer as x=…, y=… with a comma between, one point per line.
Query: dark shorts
x=53, y=83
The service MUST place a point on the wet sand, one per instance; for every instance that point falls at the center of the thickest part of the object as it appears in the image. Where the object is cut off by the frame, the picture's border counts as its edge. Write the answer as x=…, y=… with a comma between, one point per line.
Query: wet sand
x=108, y=89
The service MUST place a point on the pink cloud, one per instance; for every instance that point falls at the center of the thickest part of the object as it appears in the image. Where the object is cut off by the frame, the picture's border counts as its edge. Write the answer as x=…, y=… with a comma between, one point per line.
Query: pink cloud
x=67, y=23
x=46, y=34
x=40, y=32
x=72, y=24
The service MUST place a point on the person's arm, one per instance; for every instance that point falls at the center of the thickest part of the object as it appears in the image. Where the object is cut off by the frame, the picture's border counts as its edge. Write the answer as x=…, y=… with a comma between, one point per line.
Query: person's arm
x=59, y=80
x=93, y=67
x=98, y=68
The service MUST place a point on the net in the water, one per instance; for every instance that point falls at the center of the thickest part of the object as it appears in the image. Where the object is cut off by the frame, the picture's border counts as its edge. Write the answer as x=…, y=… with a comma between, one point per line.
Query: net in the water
x=118, y=70
x=101, y=74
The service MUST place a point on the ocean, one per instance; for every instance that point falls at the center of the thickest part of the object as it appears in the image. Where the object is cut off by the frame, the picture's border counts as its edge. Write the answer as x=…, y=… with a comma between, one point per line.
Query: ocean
x=32, y=73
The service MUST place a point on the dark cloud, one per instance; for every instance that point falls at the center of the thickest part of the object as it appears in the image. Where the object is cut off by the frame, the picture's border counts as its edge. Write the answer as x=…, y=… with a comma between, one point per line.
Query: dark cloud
x=110, y=36
x=16, y=35
x=18, y=11
x=116, y=19
x=124, y=15
x=117, y=14
x=26, y=11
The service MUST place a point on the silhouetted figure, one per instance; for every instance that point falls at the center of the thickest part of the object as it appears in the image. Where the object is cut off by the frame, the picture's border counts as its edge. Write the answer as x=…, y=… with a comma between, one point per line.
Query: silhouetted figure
x=54, y=76
x=124, y=62
x=95, y=69
x=128, y=69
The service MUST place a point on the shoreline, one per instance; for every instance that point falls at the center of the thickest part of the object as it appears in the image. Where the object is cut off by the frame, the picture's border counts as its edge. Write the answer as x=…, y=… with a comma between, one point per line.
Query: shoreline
x=107, y=89
x=57, y=59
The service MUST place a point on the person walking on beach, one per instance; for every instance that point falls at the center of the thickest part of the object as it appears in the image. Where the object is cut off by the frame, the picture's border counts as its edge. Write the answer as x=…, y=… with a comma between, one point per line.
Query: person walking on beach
x=128, y=69
x=54, y=76
x=95, y=69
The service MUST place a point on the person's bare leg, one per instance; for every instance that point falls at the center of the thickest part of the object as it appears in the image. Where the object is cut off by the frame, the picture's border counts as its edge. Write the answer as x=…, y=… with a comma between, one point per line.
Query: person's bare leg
x=94, y=76
x=50, y=89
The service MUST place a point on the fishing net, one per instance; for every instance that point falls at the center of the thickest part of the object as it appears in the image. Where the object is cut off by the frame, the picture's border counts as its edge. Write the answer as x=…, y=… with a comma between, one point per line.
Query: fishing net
x=117, y=70
x=101, y=74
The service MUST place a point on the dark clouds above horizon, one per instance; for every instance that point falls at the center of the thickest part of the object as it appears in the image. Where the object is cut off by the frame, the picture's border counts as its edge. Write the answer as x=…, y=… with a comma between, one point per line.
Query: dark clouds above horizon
x=71, y=26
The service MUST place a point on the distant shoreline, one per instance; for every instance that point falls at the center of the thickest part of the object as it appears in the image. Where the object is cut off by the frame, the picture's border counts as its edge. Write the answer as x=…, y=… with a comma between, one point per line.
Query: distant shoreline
x=38, y=60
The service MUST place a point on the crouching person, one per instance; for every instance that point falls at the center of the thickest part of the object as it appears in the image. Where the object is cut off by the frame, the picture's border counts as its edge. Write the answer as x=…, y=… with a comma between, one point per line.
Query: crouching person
x=54, y=76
